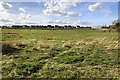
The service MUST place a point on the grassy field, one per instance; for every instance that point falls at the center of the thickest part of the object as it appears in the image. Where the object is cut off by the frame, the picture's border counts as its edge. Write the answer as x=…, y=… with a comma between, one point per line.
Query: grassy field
x=83, y=53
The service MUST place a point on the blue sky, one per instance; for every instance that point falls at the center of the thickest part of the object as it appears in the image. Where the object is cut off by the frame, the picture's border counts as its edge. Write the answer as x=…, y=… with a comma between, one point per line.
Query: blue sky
x=62, y=13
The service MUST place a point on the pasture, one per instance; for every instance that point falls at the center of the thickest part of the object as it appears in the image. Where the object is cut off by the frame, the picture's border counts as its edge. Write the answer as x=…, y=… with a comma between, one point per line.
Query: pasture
x=82, y=53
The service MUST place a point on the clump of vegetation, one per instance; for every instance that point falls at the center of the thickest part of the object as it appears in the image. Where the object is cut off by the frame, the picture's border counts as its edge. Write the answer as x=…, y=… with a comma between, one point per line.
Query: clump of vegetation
x=68, y=44
x=57, y=70
x=22, y=45
x=28, y=68
x=45, y=46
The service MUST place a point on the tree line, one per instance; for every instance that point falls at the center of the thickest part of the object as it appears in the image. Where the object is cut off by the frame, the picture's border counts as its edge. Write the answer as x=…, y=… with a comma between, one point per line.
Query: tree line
x=45, y=27
x=115, y=25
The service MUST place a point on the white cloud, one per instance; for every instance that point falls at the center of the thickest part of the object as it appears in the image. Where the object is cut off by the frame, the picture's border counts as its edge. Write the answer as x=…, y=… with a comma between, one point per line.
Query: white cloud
x=57, y=22
x=1, y=6
x=72, y=0
x=61, y=13
x=24, y=16
x=66, y=5
x=74, y=14
x=5, y=6
x=8, y=18
x=84, y=23
x=21, y=9
x=5, y=20
x=59, y=8
x=95, y=6
x=4, y=15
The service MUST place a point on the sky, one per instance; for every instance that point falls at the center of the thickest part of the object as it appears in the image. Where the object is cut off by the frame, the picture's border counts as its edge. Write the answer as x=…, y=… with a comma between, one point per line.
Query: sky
x=58, y=13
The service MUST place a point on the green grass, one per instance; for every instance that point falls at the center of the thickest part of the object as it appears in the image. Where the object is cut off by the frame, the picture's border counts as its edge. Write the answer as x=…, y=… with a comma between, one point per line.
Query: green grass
x=83, y=53
x=17, y=34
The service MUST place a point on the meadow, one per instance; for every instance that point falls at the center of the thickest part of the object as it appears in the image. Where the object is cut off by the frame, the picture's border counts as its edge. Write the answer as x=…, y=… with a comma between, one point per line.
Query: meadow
x=82, y=53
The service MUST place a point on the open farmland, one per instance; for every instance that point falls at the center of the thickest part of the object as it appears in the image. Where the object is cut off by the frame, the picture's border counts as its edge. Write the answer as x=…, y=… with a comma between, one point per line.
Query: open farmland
x=82, y=53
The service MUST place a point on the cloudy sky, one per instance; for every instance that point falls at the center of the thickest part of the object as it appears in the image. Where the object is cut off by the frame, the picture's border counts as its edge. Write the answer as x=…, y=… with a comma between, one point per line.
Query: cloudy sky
x=59, y=12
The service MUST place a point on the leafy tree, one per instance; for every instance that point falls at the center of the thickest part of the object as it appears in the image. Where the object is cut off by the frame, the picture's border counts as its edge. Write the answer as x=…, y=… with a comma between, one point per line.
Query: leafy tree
x=116, y=25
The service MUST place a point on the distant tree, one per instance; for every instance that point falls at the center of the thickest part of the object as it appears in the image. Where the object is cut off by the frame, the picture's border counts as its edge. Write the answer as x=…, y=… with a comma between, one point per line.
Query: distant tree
x=78, y=26
x=116, y=25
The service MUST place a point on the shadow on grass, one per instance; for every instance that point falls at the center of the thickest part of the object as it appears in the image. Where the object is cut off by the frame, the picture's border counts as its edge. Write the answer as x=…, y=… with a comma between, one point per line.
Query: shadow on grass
x=9, y=49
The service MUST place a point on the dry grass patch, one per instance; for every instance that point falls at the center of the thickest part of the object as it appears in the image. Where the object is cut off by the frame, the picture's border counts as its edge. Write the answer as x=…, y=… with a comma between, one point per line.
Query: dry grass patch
x=46, y=46
x=68, y=44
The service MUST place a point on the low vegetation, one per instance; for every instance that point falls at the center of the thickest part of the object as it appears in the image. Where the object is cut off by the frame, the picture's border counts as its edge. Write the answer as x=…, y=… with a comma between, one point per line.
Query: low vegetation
x=59, y=54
